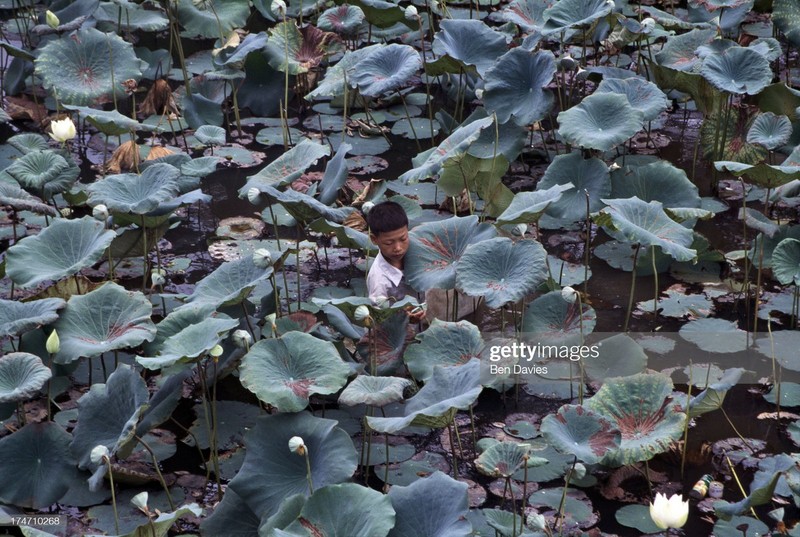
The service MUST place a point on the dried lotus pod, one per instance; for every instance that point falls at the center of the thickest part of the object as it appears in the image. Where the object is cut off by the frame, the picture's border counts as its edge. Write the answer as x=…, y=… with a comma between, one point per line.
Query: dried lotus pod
x=356, y=221
x=159, y=100
x=125, y=158
x=158, y=151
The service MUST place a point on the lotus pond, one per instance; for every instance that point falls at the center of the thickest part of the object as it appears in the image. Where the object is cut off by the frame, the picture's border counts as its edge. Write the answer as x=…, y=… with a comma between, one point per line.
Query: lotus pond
x=185, y=343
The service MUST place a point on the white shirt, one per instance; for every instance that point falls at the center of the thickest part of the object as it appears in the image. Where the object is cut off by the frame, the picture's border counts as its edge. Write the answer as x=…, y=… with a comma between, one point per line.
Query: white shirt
x=383, y=280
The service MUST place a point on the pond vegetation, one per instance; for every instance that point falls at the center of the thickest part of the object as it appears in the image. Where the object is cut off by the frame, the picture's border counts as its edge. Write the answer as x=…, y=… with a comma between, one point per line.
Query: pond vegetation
x=187, y=348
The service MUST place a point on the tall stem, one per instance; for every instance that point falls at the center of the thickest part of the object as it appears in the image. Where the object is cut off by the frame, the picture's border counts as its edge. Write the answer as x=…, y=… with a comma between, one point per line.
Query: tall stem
x=633, y=288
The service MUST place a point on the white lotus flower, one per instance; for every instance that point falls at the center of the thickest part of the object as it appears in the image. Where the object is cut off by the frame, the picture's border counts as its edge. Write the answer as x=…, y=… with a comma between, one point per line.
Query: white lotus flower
x=254, y=196
x=669, y=512
x=140, y=501
x=52, y=19
x=99, y=454
x=278, y=7
x=100, y=212
x=242, y=339
x=411, y=13
x=53, y=343
x=158, y=278
x=569, y=294
x=262, y=258
x=648, y=24
x=62, y=130
x=296, y=445
x=519, y=230
x=361, y=313
x=66, y=212
x=216, y=351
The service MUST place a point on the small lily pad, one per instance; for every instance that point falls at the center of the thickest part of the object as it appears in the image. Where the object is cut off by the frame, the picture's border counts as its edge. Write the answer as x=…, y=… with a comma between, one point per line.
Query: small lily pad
x=270, y=136
x=419, y=128
x=420, y=465
x=522, y=429
x=397, y=452
x=715, y=335
x=789, y=393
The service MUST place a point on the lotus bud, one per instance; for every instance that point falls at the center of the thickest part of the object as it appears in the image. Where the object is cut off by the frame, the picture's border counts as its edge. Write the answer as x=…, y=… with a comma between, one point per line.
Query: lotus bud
x=411, y=13
x=669, y=512
x=254, y=196
x=479, y=93
x=262, y=258
x=62, y=130
x=648, y=24
x=53, y=343
x=99, y=454
x=216, y=351
x=271, y=320
x=52, y=19
x=537, y=522
x=382, y=301
x=100, y=212
x=158, y=278
x=362, y=314
x=296, y=445
x=568, y=63
x=140, y=501
x=614, y=167
x=367, y=207
x=579, y=471
x=66, y=212
x=519, y=230
x=569, y=294
x=242, y=339
x=278, y=7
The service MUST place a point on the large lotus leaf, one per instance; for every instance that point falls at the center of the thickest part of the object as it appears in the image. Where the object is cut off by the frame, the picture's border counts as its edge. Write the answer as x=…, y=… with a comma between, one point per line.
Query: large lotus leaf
x=86, y=65
x=576, y=430
x=305, y=208
x=639, y=222
x=528, y=207
x=679, y=51
x=443, y=343
x=335, y=175
x=212, y=18
x=177, y=321
x=334, y=82
x=711, y=398
x=448, y=390
x=465, y=44
x=271, y=472
x=737, y=70
x=109, y=122
x=786, y=16
x=60, y=250
x=429, y=163
x=382, y=14
x=391, y=335
x=770, y=130
x=17, y=317
x=503, y=459
x=555, y=319
x=582, y=176
x=344, y=19
x=137, y=194
x=786, y=262
x=567, y=14
x=642, y=95
x=130, y=16
x=13, y=196
x=103, y=320
x=286, y=371
x=607, y=361
x=641, y=407
x=108, y=413
x=502, y=270
x=436, y=248
x=762, y=174
x=21, y=376
x=42, y=172
x=442, y=514
x=230, y=283
x=342, y=511
x=191, y=342
x=39, y=454
x=515, y=86
x=527, y=14
x=231, y=517
x=715, y=335
x=306, y=47
x=386, y=69
x=373, y=391
x=287, y=167
x=658, y=181
x=601, y=121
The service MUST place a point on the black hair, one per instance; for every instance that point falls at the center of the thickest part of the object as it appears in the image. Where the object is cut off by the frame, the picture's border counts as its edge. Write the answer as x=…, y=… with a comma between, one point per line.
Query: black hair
x=385, y=217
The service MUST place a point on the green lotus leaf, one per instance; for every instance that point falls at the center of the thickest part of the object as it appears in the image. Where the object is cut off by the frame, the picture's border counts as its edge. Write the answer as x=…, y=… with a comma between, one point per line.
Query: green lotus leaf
x=601, y=121
x=556, y=320
x=576, y=430
x=130, y=16
x=528, y=207
x=515, y=86
x=86, y=65
x=21, y=376
x=271, y=472
x=179, y=320
x=737, y=70
x=230, y=284
x=200, y=167
x=756, y=220
x=713, y=395
x=642, y=95
x=335, y=175
x=287, y=167
x=678, y=305
x=763, y=175
x=527, y=14
x=45, y=173
x=137, y=194
x=786, y=17
x=442, y=514
x=786, y=262
x=782, y=346
x=17, y=317
x=501, y=270
x=607, y=363
x=746, y=526
x=163, y=403
x=212, y=18
x=770, y=130
x=286, y=371
x=576, y=506
x=344, y=20
x=659, y=181
x=160, y=524
x=470, y=45
x=191, y=342
x=429, y=163
x=106, y=319
x=334, y=82
x=443, y=343
x=503, y=459
x=232, y=517
x=679, y=51
x=40, y=452
x=641, y=408
x=28, y=142
x=109, y=122
x=639, y=222
x=715, y=335
x=108, y=414
x=638, y=517
x=436, y=248
x=373, y=391
x=569, y=14
x=580, y=175
x=448, y=390
x=62, y=249
x=386, y=69
x=339, y=510
x=210, y=135
x=305, y=208
x=234, y=418
x=760, y=253
x=391, y=336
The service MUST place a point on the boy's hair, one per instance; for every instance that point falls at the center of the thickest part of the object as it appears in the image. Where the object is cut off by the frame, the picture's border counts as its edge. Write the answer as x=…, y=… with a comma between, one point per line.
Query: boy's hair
x=385, y=217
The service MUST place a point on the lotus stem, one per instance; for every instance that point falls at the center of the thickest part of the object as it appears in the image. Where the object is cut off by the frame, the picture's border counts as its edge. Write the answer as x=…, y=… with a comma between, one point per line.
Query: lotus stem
x=758, y=286
x=472, y=427
x=633, y=287
x=738, y=482
x=249, y=328
x=563, y=501
x=301, y=234
x=308, y=472
x=275, y=294
x=686, y=422
x=158, y=471
x=144, y=255
x=775, y=371
x=113, y=493
x=103, y=365
x=655, y=277
x=214, y=422
x=285, y=104
x=513, y=509
x=410, y=123
x=196, y=444
x=453, y=447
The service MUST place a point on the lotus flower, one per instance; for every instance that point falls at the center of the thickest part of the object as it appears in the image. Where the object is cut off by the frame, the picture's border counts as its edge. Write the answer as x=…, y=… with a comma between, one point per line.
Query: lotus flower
x=63, y=130
x=669, y=512
x=53, y=344
x=51, y=19
x=569, y=294
x=99, y=453
x=296, y=445
x=242, y=339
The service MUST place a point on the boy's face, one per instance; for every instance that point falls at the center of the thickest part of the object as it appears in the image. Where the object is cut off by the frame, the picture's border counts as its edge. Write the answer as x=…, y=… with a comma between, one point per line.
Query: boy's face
x=393, y=245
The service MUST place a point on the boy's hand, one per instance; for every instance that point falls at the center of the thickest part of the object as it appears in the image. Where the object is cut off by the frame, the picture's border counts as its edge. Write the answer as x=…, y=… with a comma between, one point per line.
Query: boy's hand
x=416, y=315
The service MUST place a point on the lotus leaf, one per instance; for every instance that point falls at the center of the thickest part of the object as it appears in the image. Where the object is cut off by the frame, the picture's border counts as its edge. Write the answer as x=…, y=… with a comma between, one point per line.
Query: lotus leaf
x=601, y=121
x=163, y=403
x=502, y=270
x=528, y=207
x=232, y=517
x=45, y=173
x=287, y=167
x=443, y=343
x=271, y=472
x=576, y=506
x=177, y=321
x=13, y=196
x=642, y=95
x=515, y=86
x=383, y=15
x=527, y=14
x=607, y=363
x=761, y=252
x=335, y=175
x=103, y=320
x=658, y=181
x=17, y=317
x=503, y=459
x=231, y=283
x=390, y=336
x=212, y=18
x=737, y=70
x=678, y=305
x=344, y=19
x=715, y=335
x=190, y=343
x=568, y=14
x=334, y=82
x=558, y=320
x=763, y=175
x=449, y=389
x=305, y=208
x=770, y=130
x=582, y=176
x=436, y=248
x=641, y=407
x=638, y=517
x=373, y=391
x=737, y=526
x=465, y=44
x=60, y=250
x=443, y=514
x=28, y=142
x=109, y=122
x=40, y=452
x=160, y=524
x=108, y=414
x=386, y=69
x=782, y=346
x=234, y=418
x=786, y=16
x=130, y=16
x=21, y=376
x=286, y=371
x=576, y=430
x=713, y=395
x=786, y=261
x=306, y=47
x=137, y=194
x=84, y=66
